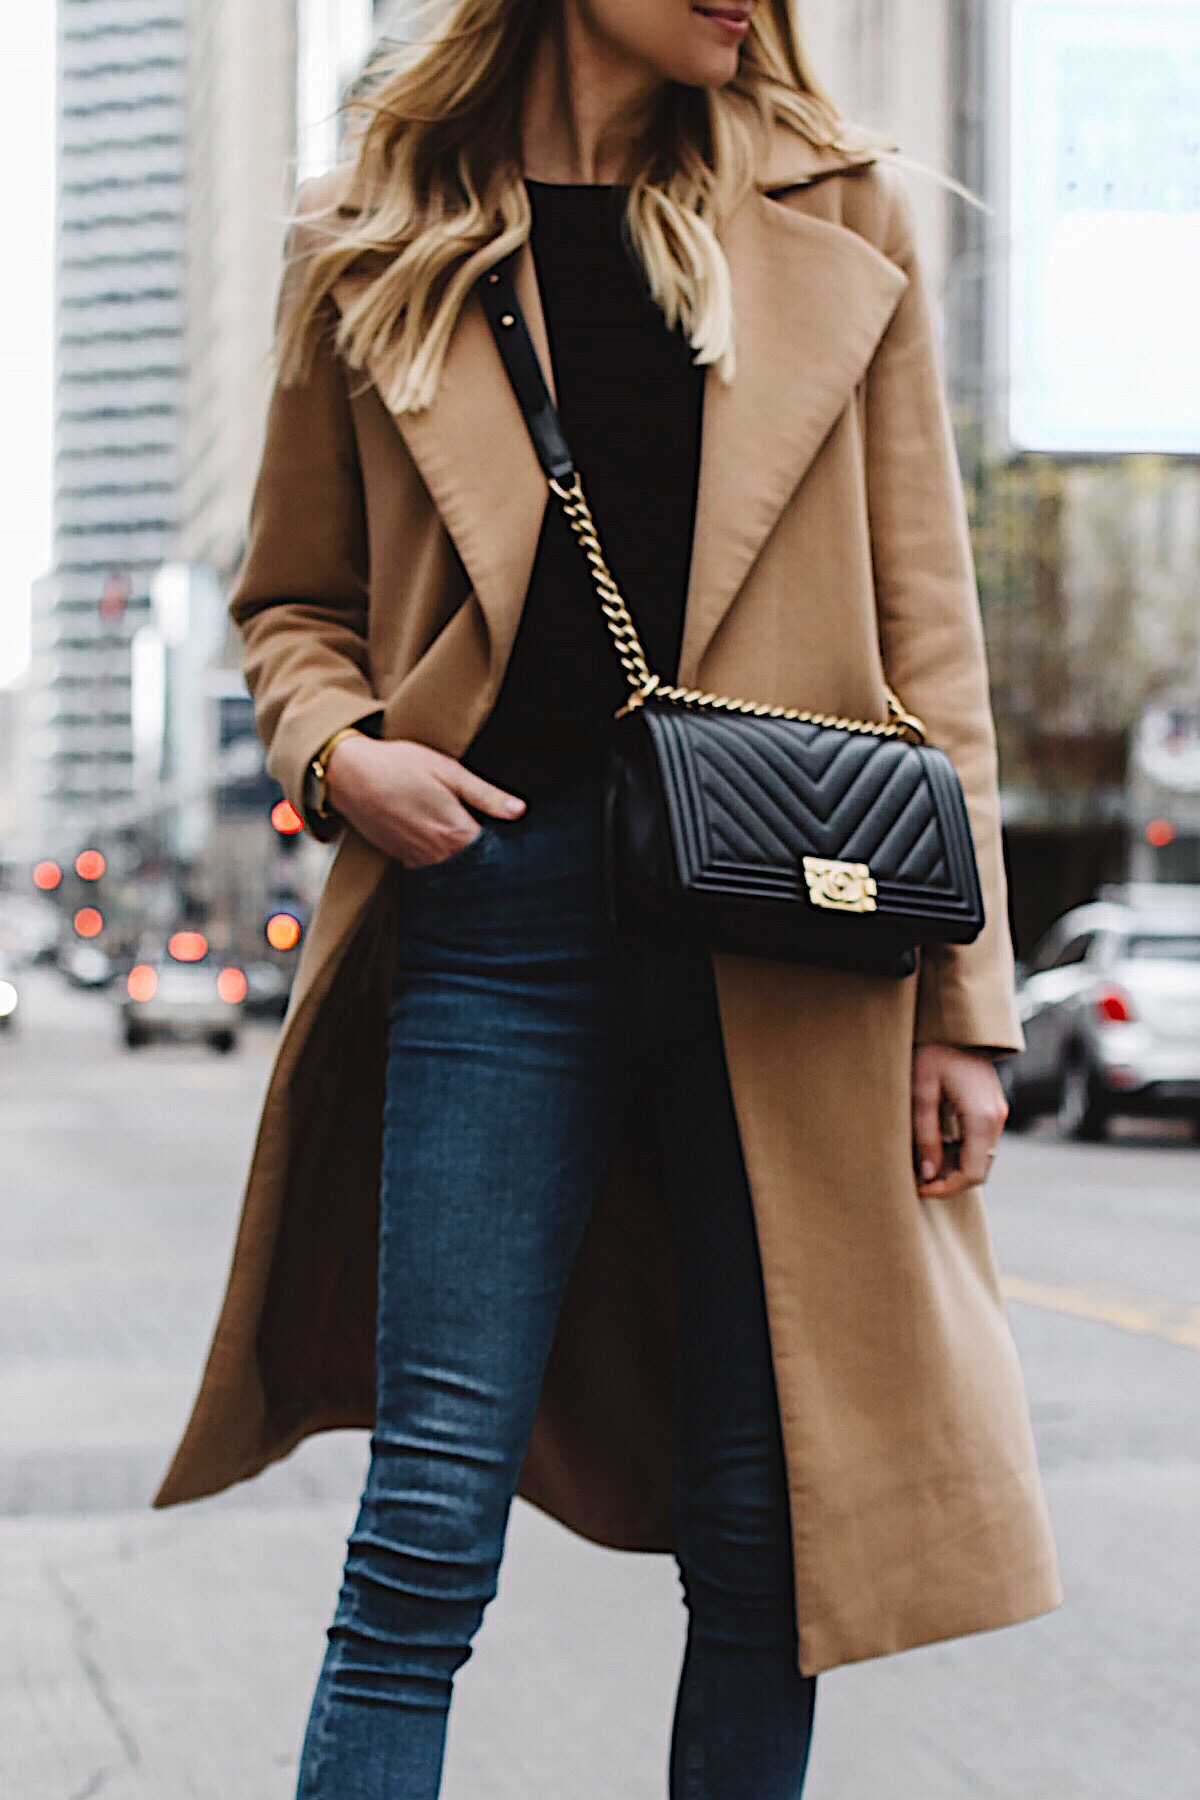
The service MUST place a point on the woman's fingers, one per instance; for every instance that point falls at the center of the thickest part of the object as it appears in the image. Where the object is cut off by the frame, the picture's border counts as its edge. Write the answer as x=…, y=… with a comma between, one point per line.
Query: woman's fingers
x=927, y=1123
x=412, y=801
x=947, y=1079
x=981, y=1135
x=483, y=795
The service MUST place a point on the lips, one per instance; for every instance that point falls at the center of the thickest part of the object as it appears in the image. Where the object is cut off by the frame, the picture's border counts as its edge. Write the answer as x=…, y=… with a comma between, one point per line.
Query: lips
x=736, y=17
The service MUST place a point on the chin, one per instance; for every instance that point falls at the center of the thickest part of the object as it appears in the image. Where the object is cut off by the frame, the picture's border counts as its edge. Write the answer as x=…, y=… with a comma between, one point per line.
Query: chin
x=711, y=69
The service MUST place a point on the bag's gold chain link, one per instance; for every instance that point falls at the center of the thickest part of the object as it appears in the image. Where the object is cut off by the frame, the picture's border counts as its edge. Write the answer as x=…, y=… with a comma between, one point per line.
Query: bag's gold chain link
x=642, y=680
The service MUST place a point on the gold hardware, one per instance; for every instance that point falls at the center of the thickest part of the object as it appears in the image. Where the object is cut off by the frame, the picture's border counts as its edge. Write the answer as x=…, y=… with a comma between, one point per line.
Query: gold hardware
x=319, y=767
x=908, y=721
x=643, y=682
x=841, y=886
x=320, y=762
x=638, y=699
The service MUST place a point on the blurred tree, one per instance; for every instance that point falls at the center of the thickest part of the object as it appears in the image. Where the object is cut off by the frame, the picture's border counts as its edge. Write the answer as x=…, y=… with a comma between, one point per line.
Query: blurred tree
x=1089, y=578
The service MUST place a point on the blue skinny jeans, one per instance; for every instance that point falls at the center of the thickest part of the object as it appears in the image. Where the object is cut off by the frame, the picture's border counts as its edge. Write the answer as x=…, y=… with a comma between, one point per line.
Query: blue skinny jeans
x=522, y=1031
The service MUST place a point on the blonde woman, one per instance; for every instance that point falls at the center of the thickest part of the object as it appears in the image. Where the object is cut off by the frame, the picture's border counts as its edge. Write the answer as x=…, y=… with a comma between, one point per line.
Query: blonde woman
x=668, y=1241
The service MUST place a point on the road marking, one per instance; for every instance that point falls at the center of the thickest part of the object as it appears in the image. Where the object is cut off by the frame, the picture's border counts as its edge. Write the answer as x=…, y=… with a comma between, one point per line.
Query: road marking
x=1125, y=1309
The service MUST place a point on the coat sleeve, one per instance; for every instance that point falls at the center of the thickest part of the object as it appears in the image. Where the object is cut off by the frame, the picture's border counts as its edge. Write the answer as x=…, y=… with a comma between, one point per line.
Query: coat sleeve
x=931, y=635
x=300, y=596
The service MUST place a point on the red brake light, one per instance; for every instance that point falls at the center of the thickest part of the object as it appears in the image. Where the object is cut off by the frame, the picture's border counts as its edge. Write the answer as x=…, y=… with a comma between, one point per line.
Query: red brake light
x=1114, y=1006
x=231, y=985
x=142, y=982
x=188, y=946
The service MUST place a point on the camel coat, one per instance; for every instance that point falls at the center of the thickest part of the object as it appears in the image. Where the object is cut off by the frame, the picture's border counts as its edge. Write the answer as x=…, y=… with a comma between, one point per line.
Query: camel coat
x=387, y=565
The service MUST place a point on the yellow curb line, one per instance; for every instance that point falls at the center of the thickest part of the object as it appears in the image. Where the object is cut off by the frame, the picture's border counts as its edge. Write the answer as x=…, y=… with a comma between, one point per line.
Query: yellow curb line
x=1125, y=1309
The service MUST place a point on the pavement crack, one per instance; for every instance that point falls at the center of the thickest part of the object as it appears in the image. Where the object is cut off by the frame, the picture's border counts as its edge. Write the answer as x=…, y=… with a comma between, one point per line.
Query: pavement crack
x=83, y=1627
x=92, y=1786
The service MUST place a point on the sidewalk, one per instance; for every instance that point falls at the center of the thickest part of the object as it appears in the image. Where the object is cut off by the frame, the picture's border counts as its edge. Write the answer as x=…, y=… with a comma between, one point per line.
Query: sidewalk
x=158, y=1656
x=171, y=1657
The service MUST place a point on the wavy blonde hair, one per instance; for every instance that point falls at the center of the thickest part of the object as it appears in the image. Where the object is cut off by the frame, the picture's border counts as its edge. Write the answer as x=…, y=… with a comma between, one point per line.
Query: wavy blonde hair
x=436, y=196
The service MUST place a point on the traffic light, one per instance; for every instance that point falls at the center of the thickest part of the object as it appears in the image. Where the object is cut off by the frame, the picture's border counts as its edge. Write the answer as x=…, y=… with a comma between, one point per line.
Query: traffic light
x=47, y=876
x=286, y=918
x=286, y=819
x=79, y=887
x=89, y=922
x=283, y=929
x=90, y=865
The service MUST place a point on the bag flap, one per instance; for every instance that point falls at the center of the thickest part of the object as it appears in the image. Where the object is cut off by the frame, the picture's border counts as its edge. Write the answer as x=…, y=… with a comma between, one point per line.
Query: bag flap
x=748, y=799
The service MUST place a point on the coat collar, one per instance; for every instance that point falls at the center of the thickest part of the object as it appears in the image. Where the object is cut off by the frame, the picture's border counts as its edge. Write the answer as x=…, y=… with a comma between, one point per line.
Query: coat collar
x=812, y=300
x=475, y=457
x=790, y=160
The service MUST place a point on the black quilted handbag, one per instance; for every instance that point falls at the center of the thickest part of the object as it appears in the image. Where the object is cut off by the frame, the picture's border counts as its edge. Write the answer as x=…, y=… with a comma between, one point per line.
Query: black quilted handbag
x=761, y=830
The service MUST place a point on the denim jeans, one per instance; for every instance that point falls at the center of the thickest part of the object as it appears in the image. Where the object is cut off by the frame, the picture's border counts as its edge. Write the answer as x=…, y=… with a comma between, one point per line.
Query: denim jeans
x=522, y=1031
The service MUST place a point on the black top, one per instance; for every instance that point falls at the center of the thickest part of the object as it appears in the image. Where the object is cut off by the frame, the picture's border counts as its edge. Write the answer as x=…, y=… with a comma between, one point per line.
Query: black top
x=630, y=399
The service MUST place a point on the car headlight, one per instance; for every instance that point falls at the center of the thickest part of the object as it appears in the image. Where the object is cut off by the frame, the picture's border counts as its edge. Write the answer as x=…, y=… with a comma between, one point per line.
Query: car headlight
x=8, y=999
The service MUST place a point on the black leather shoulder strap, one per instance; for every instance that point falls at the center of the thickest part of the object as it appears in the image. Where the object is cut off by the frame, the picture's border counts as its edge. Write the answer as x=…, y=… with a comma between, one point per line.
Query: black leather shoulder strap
x=498, y=293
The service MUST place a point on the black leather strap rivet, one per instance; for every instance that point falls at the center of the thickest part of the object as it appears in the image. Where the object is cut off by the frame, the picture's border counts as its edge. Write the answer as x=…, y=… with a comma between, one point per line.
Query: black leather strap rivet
x=502, y=309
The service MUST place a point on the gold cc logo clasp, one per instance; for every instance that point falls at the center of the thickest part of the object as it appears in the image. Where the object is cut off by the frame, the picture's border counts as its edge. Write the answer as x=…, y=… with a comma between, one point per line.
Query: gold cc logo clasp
x=841, y=886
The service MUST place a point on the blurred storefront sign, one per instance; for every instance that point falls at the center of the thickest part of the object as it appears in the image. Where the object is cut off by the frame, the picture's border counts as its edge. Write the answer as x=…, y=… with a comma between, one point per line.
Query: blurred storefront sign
x=1105, y=196
x=1167, y=746
x=1164, y=790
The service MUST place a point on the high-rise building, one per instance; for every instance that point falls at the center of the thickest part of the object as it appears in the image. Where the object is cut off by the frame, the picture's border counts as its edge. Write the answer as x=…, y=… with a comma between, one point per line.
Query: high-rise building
x=265, y=83
x=14, y=758
x=241, y=126
x=118, y=389
x=394, y=17
x=887, y=64
x=266, y=79
x=333, y=40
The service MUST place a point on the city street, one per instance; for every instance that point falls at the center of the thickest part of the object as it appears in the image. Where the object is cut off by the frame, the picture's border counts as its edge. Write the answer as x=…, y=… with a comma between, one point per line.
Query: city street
x=169, y=1656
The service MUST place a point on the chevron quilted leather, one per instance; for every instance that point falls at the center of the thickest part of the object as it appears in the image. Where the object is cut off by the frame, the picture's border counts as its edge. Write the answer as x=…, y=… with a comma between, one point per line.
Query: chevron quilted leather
x=710, y=815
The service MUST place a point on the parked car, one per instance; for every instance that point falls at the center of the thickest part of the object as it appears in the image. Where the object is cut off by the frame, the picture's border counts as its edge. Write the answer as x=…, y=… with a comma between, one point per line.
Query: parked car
x=28, y=931
x=86, y=965
x=190, y=999
x=267, y=990
x=1110, y=1005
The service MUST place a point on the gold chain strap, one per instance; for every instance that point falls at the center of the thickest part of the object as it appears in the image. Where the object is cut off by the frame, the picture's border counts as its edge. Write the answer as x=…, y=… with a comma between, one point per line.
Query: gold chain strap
x=643, y=682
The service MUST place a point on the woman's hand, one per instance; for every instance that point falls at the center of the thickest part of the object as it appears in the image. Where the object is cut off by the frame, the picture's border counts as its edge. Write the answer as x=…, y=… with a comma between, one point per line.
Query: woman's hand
x=410, y=801
x=958, y=1089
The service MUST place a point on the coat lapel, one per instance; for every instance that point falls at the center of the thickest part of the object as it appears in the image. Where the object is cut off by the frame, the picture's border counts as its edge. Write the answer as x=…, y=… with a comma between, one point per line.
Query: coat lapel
x=811, y=303
x=476, y=459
